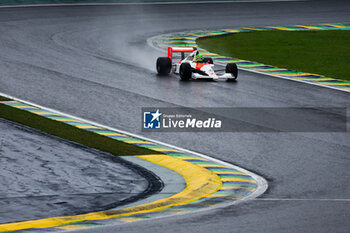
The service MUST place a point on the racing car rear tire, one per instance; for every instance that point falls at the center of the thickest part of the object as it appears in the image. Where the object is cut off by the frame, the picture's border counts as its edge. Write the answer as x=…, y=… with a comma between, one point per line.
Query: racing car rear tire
x=185, y=71
x=232, y=69
x=163, y=65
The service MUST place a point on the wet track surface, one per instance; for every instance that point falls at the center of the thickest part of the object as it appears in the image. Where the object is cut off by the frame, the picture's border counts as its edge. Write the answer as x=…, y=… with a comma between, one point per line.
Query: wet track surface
x=44, y=176
x=94, y=62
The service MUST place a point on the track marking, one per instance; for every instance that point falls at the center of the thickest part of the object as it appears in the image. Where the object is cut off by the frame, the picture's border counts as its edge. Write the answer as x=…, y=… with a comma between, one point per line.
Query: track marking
x=206, y=188
x=200, y=183
x=159, y=42
x=300, y=199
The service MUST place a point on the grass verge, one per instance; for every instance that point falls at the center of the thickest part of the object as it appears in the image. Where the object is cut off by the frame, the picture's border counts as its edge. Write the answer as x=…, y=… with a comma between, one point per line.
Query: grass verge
x=4, y=99
x=69, y=132
x=320, y=52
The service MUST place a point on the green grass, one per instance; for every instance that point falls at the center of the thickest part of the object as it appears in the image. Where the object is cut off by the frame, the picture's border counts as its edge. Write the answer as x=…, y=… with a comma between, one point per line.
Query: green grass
x=69, y=132
x=3, y=99
x=320, y=52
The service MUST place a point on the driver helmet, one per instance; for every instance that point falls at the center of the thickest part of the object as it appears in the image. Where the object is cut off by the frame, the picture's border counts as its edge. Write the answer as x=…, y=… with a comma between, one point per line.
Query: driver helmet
x=199, y=57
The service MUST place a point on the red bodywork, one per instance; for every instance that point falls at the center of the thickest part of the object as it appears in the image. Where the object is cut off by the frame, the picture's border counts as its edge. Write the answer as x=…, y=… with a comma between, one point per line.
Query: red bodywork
x=172, y=50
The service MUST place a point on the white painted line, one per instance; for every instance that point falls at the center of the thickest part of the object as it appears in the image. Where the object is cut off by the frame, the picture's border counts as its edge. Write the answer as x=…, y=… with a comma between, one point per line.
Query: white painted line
x=261, y=182
x=292, y=79
x=149, y=41
x=299, y=199
x=142, y=3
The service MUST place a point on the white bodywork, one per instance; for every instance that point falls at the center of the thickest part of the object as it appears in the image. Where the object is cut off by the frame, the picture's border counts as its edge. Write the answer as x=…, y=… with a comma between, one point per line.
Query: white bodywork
x=206, y=69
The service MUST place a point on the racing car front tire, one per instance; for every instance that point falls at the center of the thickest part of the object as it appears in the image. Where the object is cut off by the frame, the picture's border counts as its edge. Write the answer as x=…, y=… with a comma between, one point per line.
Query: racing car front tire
x=232, y=69
x=185, y=71
x=163, y=65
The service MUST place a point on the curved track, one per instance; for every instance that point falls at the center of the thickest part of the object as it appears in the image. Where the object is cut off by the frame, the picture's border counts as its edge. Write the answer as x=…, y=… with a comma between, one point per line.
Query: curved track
x=43, y=176
x=94, y=62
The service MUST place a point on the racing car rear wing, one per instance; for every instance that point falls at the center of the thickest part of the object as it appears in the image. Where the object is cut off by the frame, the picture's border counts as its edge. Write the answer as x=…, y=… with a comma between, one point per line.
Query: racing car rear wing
x=181, y=50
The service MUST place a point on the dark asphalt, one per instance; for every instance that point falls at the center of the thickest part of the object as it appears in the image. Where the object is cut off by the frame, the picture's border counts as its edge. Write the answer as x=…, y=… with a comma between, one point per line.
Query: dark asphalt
x=44, y=176
x=94, y=62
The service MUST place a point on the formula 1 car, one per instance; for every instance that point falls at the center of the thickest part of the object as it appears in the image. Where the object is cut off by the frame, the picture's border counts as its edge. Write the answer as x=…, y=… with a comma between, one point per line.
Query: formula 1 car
x=189, y=68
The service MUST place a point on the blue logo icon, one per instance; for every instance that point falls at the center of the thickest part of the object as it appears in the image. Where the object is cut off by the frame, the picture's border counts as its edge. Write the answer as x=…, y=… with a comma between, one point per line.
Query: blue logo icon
x=151, y=120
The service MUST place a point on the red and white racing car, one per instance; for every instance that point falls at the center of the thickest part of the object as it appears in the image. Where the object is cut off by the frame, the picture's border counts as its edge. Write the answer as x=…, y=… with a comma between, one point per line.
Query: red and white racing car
x=190, y=68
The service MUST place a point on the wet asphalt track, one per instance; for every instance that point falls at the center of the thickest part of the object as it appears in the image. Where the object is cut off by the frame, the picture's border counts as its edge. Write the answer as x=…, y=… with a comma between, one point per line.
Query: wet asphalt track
x=44, y=176
x=94, y=62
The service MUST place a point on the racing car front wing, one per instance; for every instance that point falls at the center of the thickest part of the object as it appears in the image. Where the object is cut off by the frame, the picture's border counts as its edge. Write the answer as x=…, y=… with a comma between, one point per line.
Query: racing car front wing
x=214, y=77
